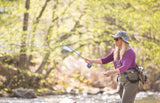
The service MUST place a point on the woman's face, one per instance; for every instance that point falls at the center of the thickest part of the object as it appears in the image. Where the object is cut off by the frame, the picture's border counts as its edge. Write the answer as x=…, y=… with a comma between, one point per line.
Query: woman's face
x=118, y=42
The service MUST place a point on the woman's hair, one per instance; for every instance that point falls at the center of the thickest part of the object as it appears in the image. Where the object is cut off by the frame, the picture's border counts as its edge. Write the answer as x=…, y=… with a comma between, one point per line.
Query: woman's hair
x=122, y=51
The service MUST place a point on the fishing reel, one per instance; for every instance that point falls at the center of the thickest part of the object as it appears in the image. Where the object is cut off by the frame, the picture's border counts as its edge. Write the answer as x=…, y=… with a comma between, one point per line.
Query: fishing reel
x=89, y=65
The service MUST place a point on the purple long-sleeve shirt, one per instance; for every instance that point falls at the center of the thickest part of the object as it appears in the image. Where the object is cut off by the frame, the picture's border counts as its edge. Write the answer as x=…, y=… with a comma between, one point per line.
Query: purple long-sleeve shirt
x=128, y=60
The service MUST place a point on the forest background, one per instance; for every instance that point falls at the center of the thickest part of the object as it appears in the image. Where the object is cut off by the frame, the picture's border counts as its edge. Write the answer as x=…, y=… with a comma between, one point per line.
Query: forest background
x=33, y=32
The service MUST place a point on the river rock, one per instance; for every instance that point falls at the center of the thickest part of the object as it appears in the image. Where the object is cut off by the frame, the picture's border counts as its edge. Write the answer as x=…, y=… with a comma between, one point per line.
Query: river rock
x=24, y=93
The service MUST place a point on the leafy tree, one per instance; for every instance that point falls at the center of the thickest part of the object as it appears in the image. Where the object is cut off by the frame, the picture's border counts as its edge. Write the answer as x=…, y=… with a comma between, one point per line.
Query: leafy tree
x=86, y=25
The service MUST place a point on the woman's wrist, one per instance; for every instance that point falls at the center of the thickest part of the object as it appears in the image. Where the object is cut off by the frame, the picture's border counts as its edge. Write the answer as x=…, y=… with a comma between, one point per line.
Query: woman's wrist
x=92, y=61
x=115, y=71
x=97, y=61
x=111, y=72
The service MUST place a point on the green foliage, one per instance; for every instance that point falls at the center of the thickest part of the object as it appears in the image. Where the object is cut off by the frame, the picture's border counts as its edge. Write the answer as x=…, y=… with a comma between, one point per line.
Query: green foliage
x=86, y=25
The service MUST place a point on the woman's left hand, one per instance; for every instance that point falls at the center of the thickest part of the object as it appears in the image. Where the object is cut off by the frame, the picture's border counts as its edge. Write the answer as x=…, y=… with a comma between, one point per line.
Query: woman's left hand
x=108, y=73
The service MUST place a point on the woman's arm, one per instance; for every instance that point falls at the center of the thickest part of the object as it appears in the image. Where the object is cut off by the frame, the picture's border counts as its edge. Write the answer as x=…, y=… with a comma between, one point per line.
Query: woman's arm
x=97, y=61
x=110, y=72
x=104, y=60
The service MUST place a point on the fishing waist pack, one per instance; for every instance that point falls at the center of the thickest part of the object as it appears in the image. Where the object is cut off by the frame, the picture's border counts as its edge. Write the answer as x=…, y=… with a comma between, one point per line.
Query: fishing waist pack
x=142, y=75
x=133, y=75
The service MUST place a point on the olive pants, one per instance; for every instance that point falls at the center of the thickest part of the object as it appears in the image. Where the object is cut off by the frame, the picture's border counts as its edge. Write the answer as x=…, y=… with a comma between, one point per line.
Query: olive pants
x=126, y=89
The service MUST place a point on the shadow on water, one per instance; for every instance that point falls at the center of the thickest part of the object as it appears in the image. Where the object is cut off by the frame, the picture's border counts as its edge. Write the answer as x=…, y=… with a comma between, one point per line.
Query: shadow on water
x=142, y=97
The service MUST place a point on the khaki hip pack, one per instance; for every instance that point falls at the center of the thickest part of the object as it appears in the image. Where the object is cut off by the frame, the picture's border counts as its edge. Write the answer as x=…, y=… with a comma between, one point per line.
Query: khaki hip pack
x=142, y=75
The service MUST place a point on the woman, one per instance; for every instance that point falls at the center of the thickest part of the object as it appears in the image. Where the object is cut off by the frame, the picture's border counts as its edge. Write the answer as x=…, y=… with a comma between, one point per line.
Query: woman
x=123, y=58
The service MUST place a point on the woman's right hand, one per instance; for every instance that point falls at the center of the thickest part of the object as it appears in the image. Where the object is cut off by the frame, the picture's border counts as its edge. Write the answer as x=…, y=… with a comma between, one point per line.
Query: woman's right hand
x=88, y=60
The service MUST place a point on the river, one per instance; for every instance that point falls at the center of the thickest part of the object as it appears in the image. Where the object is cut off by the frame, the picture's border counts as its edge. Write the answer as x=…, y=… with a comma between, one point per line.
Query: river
x=142, y=97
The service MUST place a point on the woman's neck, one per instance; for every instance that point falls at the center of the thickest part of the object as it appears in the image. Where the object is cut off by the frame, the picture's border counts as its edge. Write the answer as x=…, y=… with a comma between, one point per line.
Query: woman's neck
x=120, y=47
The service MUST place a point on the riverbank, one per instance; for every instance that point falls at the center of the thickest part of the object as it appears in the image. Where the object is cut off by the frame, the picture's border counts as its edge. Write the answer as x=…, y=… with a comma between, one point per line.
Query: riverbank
x=106, y=97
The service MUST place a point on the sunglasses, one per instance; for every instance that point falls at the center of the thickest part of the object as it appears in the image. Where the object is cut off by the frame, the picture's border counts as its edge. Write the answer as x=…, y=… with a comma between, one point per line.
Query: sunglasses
x=116, y=39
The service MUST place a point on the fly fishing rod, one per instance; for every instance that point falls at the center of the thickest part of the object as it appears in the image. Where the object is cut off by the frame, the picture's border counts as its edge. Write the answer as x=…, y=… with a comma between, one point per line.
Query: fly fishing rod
x=68, y=49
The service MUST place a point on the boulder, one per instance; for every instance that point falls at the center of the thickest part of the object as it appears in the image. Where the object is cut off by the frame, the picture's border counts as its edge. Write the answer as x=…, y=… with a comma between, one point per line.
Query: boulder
x=24, y=93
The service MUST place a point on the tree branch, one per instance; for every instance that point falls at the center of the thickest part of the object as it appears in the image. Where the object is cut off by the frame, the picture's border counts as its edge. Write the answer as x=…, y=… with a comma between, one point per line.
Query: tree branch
x=34, y=29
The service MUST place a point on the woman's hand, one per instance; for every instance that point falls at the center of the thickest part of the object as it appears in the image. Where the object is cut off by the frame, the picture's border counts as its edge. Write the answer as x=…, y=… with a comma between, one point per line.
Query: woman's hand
x=108, y=73
x=88, y=60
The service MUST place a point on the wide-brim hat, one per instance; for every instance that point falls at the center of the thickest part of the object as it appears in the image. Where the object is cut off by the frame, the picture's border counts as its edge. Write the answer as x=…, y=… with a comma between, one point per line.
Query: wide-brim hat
x=123, y=35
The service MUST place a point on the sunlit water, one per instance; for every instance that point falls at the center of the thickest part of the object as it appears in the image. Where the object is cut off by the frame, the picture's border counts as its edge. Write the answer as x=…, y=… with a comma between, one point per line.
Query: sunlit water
x=142, y=97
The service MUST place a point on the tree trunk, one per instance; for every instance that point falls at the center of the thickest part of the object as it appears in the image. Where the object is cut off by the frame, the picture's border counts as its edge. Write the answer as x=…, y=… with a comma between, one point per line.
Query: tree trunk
x=47, y=41
x=24, y=36
x=40, y=68
x=50, y=70
x=34, y=30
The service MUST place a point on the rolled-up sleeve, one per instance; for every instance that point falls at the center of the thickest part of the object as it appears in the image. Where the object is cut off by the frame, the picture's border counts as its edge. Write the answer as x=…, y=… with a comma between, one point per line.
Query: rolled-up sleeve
x=127, y=61
x=108, y=58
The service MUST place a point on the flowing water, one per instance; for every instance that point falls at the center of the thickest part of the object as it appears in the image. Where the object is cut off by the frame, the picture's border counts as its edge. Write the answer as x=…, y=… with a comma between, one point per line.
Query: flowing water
x=142, y=97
